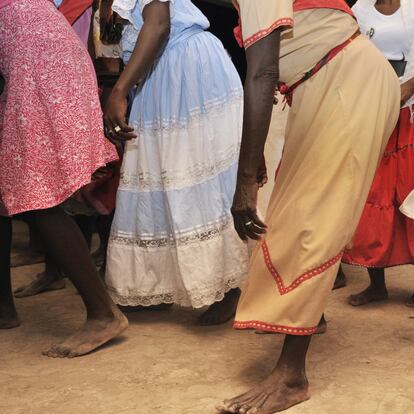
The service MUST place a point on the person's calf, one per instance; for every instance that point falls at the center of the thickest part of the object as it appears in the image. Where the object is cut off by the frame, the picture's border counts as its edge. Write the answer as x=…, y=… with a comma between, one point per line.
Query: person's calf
x=8, y=314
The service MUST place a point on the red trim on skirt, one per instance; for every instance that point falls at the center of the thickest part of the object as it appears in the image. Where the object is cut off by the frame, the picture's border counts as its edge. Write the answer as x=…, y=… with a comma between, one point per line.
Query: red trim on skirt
x=267, y=327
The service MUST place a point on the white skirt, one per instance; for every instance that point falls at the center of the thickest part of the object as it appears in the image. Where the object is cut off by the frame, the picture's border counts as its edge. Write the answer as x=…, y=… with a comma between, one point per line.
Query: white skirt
x=173, y=238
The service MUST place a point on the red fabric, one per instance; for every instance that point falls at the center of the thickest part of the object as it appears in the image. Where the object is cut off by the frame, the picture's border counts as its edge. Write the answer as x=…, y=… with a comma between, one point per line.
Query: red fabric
x=385, y=237
x=51, y=132
x=287, y=90
x=299, y=5
x=101, y=194
x=73, y=9
x=238, y=34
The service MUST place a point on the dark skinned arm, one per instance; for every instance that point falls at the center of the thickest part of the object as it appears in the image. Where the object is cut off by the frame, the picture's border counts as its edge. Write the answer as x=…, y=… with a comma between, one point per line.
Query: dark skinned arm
x=407, y=91
x=150, y=42
x=261, y=81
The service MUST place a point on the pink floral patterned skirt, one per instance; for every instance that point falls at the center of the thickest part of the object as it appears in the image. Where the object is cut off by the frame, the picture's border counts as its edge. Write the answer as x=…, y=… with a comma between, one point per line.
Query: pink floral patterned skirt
x=51, y=137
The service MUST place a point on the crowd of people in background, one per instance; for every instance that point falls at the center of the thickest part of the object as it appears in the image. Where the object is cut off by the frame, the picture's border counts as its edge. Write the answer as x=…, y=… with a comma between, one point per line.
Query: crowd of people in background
x=128, y=118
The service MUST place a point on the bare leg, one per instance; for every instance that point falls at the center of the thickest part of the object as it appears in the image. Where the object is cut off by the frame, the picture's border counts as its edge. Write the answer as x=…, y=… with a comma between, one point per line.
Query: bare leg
x=286, y=386
x=103, y=224
x=322, y=326
x=8, y=314
x=375, y=292
x=53, y=278
x=221, y=312
x=49, y=280
x=68, y=248
x=340, y=280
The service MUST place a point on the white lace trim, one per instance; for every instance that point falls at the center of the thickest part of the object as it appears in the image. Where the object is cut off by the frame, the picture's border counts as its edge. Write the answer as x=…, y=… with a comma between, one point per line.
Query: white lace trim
x=233, y=98
x=196, y=298
x=164, y=160
x=174, y=180
x=192, y=273
x=184, y=238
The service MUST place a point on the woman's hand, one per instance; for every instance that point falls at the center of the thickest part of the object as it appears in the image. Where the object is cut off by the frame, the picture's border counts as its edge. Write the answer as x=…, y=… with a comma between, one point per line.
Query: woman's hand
x=407, y=91
x=244, y=210
x=116, y=128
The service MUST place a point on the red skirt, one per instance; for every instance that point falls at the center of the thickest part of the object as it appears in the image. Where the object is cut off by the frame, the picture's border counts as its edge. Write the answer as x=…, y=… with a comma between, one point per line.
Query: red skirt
x=385, y=237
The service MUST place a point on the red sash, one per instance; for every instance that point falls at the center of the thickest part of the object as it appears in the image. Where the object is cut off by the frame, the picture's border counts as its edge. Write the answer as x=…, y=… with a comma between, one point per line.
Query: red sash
x=299, y=5
x=287, y=91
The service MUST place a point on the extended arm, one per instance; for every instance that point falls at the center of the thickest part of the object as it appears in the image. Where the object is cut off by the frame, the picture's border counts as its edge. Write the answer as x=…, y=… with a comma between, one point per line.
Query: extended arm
x=261, y=81
x=407, y=91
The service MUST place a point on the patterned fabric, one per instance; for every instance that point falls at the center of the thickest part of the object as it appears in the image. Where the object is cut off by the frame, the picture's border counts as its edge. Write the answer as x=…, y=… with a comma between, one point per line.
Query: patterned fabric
x=173, y=237
x=51, y=138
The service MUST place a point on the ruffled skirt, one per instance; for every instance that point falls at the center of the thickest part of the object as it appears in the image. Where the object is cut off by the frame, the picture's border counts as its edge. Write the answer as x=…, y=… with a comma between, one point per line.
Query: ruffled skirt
x=385, y=236
x=173, y=239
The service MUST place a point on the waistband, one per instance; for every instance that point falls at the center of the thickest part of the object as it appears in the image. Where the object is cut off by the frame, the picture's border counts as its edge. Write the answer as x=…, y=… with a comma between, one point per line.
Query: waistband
x=287, y=90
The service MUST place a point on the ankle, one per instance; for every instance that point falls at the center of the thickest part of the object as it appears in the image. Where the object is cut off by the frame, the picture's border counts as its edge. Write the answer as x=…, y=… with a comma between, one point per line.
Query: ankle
x=378, y=287
x=294, y=375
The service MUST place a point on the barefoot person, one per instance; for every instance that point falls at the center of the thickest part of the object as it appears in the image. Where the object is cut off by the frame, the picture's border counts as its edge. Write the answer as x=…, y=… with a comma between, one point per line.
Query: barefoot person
x=344, y=104
x=51, y=142
x=79, y=14
x=385, y=236
x=173, y=239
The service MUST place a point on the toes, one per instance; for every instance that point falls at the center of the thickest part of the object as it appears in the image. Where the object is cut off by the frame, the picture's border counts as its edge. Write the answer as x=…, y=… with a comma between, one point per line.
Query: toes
x=228, y=406
x=57, y=351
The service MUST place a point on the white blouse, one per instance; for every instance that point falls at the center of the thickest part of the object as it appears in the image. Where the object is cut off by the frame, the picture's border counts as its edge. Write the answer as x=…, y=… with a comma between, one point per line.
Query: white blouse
x=388, y=33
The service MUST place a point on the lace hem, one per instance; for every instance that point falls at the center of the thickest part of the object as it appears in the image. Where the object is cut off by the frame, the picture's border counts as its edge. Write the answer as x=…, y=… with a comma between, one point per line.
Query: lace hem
x=195, y=298
x=195, y=235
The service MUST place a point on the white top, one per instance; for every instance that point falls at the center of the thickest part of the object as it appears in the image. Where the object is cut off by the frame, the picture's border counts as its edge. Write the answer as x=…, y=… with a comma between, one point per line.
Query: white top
x=387, y=32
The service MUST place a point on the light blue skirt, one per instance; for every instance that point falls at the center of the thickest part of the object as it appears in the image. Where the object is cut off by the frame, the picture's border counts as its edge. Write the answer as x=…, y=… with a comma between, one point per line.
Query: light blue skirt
x=173, y=239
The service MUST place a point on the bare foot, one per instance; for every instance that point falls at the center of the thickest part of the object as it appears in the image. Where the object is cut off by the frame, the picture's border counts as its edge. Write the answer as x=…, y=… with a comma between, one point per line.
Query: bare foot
x=370, y=294
x=278, y=392
x=8, y=314
x=221, y=312
x=322, y=326
x=340, y=280
x=410, y=302
x=42, y=283
x=91, y=336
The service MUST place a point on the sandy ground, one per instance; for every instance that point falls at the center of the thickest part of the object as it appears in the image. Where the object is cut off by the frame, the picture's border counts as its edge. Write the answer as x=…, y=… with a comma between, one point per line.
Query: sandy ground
x=165, y=363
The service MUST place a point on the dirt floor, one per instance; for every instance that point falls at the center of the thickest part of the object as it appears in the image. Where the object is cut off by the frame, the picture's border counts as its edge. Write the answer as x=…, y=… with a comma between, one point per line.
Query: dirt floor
x=166, y=364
